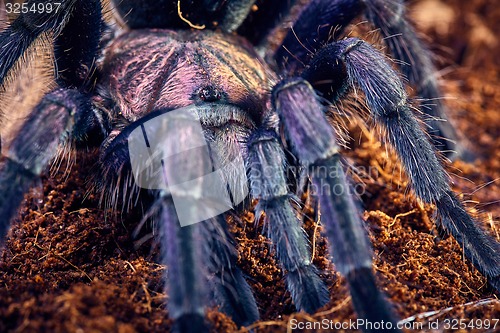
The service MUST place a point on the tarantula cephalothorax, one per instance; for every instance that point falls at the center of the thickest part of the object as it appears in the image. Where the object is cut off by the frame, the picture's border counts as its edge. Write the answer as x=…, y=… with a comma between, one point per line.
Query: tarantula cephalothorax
x=114, y=83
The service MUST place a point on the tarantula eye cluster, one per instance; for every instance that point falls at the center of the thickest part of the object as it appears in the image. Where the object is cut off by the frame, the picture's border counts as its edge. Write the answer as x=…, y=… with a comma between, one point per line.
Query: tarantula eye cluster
x=150, y=76
x=210, y=94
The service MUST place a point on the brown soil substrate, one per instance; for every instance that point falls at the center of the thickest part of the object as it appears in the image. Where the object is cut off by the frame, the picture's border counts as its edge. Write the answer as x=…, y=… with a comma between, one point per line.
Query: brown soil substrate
x=68, y=266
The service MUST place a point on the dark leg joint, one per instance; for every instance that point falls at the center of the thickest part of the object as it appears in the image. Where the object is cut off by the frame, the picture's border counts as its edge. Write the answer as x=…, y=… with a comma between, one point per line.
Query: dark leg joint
x=352, y=46
x=302, y=117
x=288, y=84
x=313, y=29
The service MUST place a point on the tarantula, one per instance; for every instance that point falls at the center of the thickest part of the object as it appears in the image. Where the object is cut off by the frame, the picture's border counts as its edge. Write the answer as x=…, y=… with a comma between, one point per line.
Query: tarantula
x=116, y=82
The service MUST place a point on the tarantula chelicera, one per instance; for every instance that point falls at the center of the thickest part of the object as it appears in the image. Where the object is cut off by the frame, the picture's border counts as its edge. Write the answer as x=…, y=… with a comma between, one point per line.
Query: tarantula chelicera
x=199, y=65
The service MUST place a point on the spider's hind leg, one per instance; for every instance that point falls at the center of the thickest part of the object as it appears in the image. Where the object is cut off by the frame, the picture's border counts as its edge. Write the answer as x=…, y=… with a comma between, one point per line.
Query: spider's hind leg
x=260, y=23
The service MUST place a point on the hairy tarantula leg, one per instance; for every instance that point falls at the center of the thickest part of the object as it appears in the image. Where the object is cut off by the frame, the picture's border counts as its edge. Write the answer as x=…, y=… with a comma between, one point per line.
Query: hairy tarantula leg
x=313, y=29
x=230, y=288
x=182, y=252
x=50, y=124
x=188, y=252
x=235, y=12
x=260, y=23
x=76, y=47
x=76, y=25
x=314, y=142
x=268, y=184
x=307, y=36
x=415, y=62
x=389, y=105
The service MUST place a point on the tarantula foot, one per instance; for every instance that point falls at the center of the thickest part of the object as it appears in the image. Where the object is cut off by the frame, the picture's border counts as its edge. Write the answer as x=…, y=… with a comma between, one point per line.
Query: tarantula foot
x=308, y=290
x=190, y=323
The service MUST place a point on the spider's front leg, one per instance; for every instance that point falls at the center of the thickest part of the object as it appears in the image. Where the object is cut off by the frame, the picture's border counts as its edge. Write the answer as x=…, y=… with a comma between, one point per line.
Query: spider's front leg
x=201, y=262
x=314, y=143
x=182, y=252
x=61, y=116
x=195, y=255
x=231, y=291
x=268, y=184
x=166, y=152
x=365, y=67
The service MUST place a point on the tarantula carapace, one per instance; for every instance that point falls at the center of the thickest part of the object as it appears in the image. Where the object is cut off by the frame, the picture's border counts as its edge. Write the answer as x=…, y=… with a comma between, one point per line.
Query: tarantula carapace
x=199, y=58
